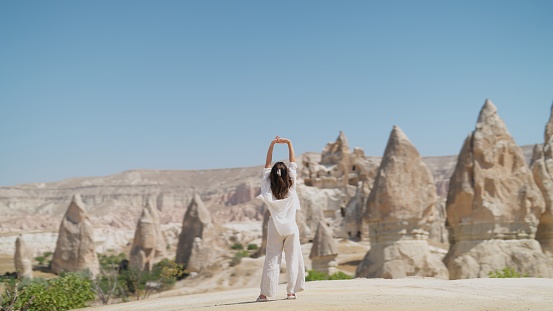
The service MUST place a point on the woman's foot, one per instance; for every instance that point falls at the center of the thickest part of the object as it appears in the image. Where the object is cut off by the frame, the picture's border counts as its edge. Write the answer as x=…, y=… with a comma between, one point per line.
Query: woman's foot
x=291, y=296
x=261, y=298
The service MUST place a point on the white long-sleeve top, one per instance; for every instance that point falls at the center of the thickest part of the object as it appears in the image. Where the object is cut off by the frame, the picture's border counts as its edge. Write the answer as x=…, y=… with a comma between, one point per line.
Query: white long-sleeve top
x=283, y=212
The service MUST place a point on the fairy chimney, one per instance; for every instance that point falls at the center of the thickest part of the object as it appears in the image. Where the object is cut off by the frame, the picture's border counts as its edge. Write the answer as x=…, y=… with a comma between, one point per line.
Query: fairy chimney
x=23, y=259
x=196, y=224
x=400, y=209
x=493, y=205
x=324, y=250
x=75, y=249
x=146, y=238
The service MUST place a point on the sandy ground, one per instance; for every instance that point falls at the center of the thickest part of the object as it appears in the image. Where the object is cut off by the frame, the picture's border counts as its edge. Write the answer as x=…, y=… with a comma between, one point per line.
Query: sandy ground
x=371, y=294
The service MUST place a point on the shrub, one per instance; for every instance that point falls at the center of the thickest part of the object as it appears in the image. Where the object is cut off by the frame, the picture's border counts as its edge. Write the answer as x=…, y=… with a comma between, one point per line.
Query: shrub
x=238, y=257
x=70, y=291
x=110, y=261
x=40, y=260
x=506, y=272
x=313, y=275
x=252, y=247
x=339, y=276
x=237, y=246
x=139, y=283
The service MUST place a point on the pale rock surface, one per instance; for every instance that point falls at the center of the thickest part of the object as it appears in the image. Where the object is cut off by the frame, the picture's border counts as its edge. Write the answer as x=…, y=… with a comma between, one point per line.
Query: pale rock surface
x=75, y=249
x=400, y=209
x=348, y=174
x=338, y=166
x=355, y=225
x=493, y=205
x=148, y=240
x=408, y=294
x=542, y=167
x=324, y=250
x=23, y=259
x=315, y=205
x=196, y=238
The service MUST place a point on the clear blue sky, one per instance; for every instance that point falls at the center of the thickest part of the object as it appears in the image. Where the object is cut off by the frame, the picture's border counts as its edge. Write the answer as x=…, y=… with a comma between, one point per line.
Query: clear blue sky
x=92, y=88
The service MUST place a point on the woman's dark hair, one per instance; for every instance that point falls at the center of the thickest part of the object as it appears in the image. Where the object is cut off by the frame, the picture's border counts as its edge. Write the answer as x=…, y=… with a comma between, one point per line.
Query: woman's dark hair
x=280, y=180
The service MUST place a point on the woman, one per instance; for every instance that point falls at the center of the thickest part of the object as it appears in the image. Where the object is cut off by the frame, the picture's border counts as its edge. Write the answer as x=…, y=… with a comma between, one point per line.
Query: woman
x=278, y=191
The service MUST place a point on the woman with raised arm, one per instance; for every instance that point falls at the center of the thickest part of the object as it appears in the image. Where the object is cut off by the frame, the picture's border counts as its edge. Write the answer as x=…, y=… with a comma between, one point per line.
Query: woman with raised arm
x=278, y=191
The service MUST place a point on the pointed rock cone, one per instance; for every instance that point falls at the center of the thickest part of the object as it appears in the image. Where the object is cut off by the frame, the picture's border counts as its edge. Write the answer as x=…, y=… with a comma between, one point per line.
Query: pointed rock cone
x=400, y=209
x=23, y=259
x=142, y=254
x=324, y=250
x=493, y=205
x=75, y=249
x=542, y=168
x=196, y=224
x=151, y=205
x=404, y=188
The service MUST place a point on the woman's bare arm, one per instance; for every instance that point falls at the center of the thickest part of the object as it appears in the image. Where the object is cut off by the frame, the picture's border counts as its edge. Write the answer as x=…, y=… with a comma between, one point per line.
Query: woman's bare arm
x=291, y=154
x=269, y=158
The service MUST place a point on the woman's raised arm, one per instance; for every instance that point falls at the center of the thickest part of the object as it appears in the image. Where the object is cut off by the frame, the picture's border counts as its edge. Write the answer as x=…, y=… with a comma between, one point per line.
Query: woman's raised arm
x=291, y=154
x=269, y=158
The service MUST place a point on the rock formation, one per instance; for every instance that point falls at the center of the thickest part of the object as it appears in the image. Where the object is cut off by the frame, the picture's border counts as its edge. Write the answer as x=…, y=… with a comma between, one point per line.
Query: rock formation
x=355, y=225
x=324, y=250
x=400, y=209
x=542, y=167
x=493, y=205
x=148, y=241
x=23, y=259
x=338, y=167
x=195, y=248
x=337, y=180
x=316, y=204
x=75, y=249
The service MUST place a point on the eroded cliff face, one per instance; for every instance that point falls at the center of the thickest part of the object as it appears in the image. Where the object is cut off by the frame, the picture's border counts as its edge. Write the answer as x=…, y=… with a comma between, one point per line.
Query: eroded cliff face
x=493, y=205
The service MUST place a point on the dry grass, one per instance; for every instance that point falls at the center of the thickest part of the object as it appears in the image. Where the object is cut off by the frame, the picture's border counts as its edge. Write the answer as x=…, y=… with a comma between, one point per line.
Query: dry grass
x=6, y=264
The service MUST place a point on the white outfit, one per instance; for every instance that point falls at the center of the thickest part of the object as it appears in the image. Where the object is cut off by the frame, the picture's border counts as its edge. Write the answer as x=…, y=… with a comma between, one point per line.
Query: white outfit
x=282, y=233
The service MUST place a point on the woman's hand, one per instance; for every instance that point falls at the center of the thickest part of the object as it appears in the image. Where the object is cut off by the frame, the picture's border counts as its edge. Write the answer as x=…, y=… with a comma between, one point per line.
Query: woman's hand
x=282, y=140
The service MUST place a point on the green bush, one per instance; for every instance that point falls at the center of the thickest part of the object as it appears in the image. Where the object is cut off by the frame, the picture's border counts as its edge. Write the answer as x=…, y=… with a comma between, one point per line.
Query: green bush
x=252, y=247
x=339, y=276
x=70, y=291
x=313, y=275
x=506, y=272
x=237, y=246
x=110, y=261
x=164, y=273
x=47, y=254
x=238, y=257
x=40, y=260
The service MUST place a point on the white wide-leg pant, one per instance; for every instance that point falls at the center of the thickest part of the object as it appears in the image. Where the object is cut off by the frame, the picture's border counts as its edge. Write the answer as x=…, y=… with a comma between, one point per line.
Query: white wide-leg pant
x=295, y=267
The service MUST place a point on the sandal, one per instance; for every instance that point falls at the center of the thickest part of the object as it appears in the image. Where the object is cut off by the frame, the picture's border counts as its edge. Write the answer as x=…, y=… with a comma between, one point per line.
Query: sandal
x=262, y=299
x=291, y=297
